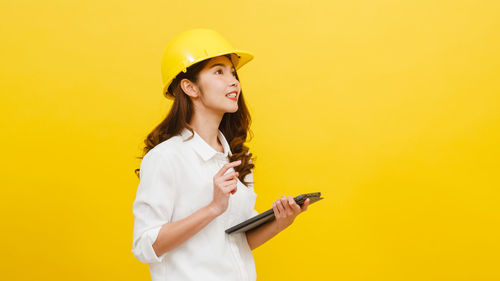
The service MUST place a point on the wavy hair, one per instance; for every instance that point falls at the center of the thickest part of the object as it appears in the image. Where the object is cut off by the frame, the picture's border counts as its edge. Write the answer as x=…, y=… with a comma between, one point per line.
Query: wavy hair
x=235, y=126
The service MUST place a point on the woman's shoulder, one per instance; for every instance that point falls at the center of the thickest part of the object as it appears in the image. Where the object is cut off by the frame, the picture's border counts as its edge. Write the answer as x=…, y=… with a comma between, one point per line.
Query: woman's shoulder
x=166, y=149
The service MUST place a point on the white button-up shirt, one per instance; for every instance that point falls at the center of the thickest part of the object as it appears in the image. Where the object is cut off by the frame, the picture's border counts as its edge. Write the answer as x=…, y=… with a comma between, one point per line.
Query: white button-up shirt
x=176, y=180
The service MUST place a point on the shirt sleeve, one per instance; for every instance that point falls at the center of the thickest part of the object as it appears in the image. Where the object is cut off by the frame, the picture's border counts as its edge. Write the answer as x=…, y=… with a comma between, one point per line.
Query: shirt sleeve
x=153, y=205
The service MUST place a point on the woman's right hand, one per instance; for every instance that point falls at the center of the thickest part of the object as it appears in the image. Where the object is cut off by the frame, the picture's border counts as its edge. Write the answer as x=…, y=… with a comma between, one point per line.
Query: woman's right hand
x=223, y=185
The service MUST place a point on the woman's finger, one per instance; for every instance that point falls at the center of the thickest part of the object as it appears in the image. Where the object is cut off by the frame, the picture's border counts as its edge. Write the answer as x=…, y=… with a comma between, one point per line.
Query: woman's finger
x=276, y=211
x=280, y=207
x=230, y=176
x=295, y=207
x=304, y=206
x=233, y=191
x=230, y=188
x=226, y=167
x=288, y=209
x=230, y=183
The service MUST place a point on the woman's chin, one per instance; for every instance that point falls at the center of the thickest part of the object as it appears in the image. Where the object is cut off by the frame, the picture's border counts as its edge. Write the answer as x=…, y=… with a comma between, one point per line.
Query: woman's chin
x=233, y=109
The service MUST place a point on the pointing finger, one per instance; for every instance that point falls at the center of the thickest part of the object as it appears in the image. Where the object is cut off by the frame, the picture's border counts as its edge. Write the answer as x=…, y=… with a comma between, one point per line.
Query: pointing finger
x=227, y=166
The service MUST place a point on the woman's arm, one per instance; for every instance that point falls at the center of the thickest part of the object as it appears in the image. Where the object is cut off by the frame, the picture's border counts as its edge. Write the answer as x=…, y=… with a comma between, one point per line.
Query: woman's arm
x=285, y=211
x=175, y=233
x=262, y=234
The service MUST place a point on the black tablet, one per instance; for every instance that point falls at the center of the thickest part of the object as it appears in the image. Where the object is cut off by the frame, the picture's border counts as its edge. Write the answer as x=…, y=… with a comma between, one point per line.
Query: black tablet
x=268, y=215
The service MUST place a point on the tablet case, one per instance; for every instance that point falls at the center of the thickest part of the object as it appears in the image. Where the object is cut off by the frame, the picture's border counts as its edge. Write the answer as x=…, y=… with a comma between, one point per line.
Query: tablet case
x=268, y=215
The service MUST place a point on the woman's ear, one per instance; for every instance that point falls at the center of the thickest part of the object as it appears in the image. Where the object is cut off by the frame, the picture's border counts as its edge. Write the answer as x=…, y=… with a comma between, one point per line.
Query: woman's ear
x=190, y=88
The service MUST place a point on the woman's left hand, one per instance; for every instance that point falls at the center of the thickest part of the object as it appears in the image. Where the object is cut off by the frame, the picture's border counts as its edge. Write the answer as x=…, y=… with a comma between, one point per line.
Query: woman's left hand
x=285, y=211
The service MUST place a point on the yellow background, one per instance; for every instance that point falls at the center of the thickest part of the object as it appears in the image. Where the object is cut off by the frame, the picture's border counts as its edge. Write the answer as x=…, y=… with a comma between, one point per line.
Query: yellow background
x=389, y=108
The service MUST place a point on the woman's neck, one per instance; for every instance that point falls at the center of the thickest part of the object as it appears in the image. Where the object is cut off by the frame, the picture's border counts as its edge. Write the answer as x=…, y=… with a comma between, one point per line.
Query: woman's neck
x=207, y=126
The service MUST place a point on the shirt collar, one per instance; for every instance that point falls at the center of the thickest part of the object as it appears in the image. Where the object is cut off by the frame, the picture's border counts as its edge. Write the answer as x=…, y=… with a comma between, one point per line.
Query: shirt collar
x=202, y=147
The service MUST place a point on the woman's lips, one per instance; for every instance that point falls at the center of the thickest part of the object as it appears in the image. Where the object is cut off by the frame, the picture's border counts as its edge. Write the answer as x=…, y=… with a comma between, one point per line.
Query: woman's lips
x=232, y=95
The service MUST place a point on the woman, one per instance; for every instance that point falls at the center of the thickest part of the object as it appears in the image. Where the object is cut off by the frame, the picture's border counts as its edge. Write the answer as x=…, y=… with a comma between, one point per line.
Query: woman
x=196, y=174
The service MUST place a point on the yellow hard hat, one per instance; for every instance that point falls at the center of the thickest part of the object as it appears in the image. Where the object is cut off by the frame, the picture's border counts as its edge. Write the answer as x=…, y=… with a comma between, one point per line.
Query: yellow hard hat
x=193, y=46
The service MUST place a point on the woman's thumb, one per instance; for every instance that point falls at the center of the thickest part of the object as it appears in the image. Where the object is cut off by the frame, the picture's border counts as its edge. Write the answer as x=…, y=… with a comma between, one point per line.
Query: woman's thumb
x=304, y=206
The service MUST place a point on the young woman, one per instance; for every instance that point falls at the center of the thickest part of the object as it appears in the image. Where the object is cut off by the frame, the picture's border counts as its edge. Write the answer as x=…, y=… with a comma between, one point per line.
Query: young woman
x=196, y=174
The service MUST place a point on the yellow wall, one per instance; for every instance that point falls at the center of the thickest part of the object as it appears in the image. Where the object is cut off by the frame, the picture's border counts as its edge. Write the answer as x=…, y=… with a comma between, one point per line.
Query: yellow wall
x=389, y=108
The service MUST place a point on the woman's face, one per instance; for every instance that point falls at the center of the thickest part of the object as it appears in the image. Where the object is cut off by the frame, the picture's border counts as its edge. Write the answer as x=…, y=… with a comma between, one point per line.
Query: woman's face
x=220, y=90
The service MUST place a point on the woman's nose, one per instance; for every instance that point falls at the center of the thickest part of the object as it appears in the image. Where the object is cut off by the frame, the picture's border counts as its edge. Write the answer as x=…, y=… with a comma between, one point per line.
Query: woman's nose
x=234, y=81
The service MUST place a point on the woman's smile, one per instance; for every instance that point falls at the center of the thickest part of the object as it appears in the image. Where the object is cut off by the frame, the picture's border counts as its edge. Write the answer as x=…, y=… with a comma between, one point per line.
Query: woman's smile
x=232, y=95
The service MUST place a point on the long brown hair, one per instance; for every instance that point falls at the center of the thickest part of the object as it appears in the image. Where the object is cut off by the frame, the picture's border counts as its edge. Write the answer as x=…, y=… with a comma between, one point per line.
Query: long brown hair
x=234, y=126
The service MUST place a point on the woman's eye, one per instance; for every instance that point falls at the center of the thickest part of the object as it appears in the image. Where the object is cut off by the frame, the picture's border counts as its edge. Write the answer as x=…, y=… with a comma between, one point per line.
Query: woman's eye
x=220, y=71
